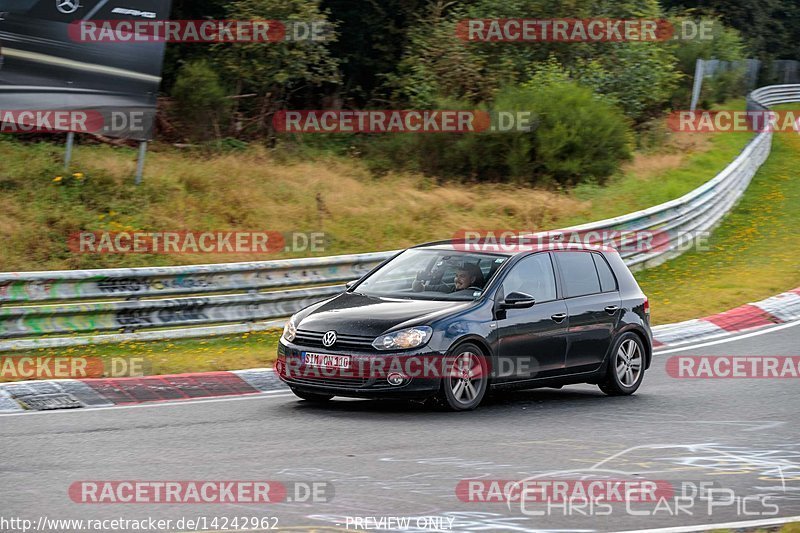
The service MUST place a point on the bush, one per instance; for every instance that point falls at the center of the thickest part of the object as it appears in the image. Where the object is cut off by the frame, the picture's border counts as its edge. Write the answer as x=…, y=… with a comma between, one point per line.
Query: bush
x=727, y=85
x=200, y=103
x=576, y=137
x=581, y=137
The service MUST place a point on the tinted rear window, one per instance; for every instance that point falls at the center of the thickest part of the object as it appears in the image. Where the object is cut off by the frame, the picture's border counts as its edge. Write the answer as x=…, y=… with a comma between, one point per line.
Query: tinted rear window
x=607, y=281
x=579, y=274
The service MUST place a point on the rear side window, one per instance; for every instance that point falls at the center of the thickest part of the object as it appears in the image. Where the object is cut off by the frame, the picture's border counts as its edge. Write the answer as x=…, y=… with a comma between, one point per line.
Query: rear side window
x=607, y=281
x=579, y=274
x=533, y=275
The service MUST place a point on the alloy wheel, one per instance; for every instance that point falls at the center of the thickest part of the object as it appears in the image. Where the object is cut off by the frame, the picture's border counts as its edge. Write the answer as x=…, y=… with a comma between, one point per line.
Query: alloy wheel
x=629, y=363
x=466, y=377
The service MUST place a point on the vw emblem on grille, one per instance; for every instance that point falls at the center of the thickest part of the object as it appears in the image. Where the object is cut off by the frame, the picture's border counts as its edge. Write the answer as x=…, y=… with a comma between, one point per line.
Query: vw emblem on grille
x=329, y=339
x=68, y=6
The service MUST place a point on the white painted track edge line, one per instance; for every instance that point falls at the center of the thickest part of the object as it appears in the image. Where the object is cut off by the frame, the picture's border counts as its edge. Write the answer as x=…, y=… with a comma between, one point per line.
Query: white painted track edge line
x=731, y=338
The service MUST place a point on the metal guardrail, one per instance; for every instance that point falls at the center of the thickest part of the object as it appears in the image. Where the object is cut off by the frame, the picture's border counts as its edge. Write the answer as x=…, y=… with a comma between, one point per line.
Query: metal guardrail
x=196, y=279
x=767, y=97
x=202, y=300
x=680, y=222
x=132, y=299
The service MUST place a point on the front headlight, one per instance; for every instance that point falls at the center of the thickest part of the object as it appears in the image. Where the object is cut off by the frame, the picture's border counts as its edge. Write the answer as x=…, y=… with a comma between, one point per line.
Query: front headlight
x=404, y=339
x=289, y=330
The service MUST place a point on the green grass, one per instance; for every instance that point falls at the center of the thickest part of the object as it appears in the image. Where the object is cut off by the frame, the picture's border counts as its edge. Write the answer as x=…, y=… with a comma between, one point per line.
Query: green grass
x=752, y=255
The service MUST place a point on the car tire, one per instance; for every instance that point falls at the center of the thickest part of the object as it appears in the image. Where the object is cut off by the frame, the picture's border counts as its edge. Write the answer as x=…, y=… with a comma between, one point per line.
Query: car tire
x=625, y=367
x=465, y=385
x=312, y=396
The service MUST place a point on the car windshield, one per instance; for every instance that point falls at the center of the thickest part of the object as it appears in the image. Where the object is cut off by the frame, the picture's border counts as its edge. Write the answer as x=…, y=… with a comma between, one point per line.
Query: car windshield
x=431, y=274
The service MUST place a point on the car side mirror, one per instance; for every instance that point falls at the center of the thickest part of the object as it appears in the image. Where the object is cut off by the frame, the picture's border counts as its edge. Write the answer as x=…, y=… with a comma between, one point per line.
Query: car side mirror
x=349, y=284
x=518, y=300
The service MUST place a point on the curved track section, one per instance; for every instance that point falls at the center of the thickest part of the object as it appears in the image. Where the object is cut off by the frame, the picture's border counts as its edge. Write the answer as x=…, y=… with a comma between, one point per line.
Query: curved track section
x=738, y=438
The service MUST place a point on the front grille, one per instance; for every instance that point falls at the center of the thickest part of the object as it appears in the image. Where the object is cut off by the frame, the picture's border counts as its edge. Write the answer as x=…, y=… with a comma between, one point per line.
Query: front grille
x=350, y=383
x=313, y=339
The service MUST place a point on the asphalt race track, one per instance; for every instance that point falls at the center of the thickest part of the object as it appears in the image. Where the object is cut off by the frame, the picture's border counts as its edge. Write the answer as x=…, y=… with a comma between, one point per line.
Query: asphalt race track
x=401, y=460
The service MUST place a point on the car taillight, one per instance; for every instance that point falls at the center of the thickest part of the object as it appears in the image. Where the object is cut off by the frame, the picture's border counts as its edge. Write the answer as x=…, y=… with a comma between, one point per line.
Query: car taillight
x=647, y=305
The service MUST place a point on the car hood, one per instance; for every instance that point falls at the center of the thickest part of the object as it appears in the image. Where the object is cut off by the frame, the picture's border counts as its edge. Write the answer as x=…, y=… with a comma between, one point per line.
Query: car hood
x=356, y=314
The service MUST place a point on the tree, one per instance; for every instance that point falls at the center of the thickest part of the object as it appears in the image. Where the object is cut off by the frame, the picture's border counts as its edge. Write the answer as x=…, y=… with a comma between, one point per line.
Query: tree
x=771, y=28
x=373, y=35
x=178, y=54
x=276, y=72
x=639, y=76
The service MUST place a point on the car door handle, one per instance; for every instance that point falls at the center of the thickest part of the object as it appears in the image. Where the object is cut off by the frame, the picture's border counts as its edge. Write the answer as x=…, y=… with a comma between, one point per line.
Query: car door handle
x=611, y=309
x=560, y=317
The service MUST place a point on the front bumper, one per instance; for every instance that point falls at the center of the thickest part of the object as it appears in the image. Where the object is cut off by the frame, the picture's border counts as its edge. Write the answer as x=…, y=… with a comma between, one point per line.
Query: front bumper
x=367, y=375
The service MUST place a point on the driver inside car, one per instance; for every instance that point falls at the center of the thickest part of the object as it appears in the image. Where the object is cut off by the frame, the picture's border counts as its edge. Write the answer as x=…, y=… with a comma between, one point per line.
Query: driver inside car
x=467, y=277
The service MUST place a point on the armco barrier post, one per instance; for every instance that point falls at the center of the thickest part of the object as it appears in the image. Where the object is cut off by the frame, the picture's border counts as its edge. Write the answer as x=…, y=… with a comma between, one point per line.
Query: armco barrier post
x=698, y=83
x=68, y=151
x=140, y=162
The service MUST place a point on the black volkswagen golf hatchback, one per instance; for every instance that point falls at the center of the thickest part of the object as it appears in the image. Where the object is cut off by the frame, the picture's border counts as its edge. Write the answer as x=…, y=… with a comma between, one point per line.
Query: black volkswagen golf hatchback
x=447, y=323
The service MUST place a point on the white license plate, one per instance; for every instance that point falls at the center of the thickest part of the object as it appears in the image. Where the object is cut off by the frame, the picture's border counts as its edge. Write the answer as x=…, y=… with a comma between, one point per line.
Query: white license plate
x=327, y=360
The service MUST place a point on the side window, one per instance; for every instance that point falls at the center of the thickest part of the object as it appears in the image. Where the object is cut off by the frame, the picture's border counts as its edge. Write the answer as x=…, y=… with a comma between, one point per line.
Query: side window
x=579, y=274
x=607, y=281
x=533, y=275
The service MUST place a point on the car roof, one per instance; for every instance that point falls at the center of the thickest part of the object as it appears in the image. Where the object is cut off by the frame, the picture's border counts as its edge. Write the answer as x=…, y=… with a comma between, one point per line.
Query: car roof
x=508, y=247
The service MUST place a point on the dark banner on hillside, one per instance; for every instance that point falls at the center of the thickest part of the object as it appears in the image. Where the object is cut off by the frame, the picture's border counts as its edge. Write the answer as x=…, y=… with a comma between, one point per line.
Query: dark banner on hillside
x=44, y=69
